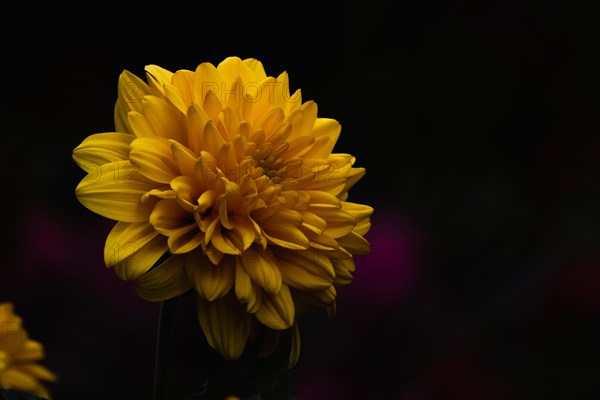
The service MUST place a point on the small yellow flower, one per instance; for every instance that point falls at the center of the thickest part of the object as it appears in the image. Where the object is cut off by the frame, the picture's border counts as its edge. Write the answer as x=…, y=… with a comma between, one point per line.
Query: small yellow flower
x=231, y=182
x=18, y=357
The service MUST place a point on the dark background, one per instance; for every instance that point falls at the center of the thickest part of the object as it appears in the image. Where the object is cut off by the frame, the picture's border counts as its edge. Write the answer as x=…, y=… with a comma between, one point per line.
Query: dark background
x=477, y=123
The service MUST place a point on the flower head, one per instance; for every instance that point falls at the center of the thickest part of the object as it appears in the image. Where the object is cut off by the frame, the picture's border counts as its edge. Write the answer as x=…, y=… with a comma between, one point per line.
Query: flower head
x=19, y=355
x=230, y=181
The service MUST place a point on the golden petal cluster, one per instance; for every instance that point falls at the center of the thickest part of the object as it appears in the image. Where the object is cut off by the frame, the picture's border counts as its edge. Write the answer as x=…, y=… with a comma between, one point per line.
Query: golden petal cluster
x=20, y=356
x=223, y=182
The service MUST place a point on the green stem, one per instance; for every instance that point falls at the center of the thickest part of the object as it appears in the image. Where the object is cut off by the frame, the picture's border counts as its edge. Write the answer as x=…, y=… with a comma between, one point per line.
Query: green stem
x=163, y=339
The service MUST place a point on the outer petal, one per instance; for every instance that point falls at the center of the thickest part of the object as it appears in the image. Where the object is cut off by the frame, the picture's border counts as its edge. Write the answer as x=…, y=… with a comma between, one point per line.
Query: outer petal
x=154, y=159
x=31, y=350
x=138, y=263
x=261, y=266
x=210, y=281
x=131, y=90
x=22, y=381
x=225, y=324
x=309, y=269
x=125, y=239
x=115, y=192
x=101, y=148
x=246, y=291
x=157, y=77
x=277, y=310
x=38, y=371
x=165, y=281
x=295, y=348
x=233, y=67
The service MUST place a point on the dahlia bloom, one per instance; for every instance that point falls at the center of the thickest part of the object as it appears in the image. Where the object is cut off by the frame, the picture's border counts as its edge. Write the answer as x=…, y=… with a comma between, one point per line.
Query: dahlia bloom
x=225, y=184
x=19, y=355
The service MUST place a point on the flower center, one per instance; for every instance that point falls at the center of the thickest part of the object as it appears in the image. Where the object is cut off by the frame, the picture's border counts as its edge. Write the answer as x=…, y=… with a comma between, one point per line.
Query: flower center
x=5, y=361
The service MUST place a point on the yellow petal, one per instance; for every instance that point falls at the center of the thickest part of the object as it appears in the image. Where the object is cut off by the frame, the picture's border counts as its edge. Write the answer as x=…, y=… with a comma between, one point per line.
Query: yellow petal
x=243, y=233
x=115, y=192
x=233, y=67
x=265, y=95
x=320, y=241
x=126, y=238
x=214, y=255
x=327, y=127
x=186, y=190
x=261, y=266
x=223, y=243
x=101, y=148
x=308, y=117
x=139, y=125
x=256, y=67
x=339, y=222
x=131, y=90
x=225, y=324
x=295, y=348
x=38, y=371
x=358, y=211
x=210, y=281
x=309, y=269
x=343, y=270
x=212, y=141
x=277, y=311
x=271, y=121
x=158, y=77
x=184, y=158
x=286, y=236
x=196, y=121
x=31, y=350
x=353, y=176
x=165, y=119
x=120, y=113
x=175, y=98
x=246, y=291
x=137, y=264
x=14, y=378
x=362, y=227
x=297, y=146
x=322, y=199
x=183, y=80
x=207, y=79
x=164, y=281
x=168, y=216
x=354, y=243
x=315, y=298
x=185, y=239
x=154, y=159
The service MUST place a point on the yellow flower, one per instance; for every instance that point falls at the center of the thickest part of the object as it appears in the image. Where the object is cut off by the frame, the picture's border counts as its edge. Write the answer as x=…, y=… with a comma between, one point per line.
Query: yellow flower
x=18, y=357
x=230, y=181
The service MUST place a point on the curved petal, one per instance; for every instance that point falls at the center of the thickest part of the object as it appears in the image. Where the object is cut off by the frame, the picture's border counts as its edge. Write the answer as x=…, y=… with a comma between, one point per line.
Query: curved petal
x=31, y=350
x=305, y=272
x=210, y=281
x=277, y=311
x=262, y=268
x=138, y=263
x=354, y=243
x=20, y=380
x=115, y=192
x=126, y=238
x=101, y=148
x=38, y=371
x=295, y=348
x=154, y=158
x=246, y=291
x=164, y=281
x=225, y=324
